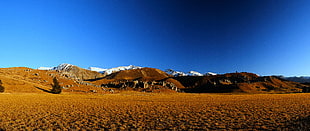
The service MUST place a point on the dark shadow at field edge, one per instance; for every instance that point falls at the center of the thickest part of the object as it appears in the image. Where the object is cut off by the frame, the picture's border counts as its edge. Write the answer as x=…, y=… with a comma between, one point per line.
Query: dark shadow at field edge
x=301, y=124
x=44, y=91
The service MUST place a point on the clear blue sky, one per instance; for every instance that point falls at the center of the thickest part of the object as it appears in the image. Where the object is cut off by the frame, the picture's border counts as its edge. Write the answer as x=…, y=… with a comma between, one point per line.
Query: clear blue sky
x=268, y=37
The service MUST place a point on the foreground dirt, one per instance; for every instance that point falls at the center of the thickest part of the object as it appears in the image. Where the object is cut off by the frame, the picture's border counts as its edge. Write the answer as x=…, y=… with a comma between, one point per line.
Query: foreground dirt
x=143, y=111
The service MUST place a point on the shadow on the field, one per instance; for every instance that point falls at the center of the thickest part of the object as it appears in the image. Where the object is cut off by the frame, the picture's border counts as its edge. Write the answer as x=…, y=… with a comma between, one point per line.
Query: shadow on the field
x=94, y=79
x=48, y=91
x=302, y=124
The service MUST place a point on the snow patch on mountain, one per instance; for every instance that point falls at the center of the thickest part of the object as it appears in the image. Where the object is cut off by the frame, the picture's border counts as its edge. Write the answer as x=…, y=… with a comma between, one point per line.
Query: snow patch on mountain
x=194, y=73
x=190, y=73
x=97, y=69
x=113, y=70
x=210, y=74
x=175, y=73
x=46, y=68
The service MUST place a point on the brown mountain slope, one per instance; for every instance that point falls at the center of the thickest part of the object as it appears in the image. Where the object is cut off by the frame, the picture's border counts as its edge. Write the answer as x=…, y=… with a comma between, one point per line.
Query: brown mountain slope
x=144, y=79
x=71, y=79
x=27, y=80
x=139, y=74
x=21, y=79
x=239, y=82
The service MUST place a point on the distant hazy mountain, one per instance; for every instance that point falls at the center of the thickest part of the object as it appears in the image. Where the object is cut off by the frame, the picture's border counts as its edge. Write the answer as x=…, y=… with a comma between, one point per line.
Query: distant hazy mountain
x=301, y=79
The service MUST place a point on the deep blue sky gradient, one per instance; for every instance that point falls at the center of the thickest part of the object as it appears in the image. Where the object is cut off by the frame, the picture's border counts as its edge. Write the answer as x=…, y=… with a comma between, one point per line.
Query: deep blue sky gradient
x=268, y=37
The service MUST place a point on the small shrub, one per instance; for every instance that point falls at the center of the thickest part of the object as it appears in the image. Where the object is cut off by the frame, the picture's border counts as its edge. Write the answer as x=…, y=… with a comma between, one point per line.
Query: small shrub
x=56, y=87
x=1, y=87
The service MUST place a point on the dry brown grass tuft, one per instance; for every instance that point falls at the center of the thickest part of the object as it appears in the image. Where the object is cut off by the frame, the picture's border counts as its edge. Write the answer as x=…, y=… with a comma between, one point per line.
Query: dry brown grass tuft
x=129, y=110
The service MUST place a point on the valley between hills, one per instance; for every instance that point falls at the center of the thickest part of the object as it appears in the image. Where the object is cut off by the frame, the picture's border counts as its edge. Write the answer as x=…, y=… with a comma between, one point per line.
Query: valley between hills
x=149, y=99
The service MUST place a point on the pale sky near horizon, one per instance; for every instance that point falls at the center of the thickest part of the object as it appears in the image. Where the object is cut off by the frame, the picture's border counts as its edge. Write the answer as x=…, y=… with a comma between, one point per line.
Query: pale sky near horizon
x=267, y=37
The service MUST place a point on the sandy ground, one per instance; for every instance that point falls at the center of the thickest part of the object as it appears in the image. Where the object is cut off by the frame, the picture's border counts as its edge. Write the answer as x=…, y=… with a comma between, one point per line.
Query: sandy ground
x=145, y=111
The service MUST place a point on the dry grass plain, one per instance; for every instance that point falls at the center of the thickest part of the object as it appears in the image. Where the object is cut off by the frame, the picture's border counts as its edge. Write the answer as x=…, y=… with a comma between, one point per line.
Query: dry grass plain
x=146, y=111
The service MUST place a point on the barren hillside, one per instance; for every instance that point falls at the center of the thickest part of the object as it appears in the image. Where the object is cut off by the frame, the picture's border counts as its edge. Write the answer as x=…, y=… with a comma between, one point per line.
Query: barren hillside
x=239, y=82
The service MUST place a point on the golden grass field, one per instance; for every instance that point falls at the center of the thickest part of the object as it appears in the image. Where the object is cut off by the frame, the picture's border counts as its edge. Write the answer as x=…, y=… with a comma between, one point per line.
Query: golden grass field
x=146, y=111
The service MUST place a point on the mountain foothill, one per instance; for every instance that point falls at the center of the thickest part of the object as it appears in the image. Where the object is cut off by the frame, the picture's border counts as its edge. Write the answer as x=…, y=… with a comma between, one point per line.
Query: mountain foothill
x=73, y=79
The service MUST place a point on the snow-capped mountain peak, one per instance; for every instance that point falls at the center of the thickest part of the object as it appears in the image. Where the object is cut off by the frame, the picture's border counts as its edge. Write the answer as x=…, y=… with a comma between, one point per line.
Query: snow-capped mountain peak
x=112, y=70
x=190, y=73
x=194, y=73
x=46, y=68
x=211, y=74
x=97, y=69
x=63, y=66
x=175, y=73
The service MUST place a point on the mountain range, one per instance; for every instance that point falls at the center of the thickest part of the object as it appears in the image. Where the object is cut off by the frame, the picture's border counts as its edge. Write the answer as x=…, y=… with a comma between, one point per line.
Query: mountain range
x=74, y=79
x=301, y=79
x=130, y=67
